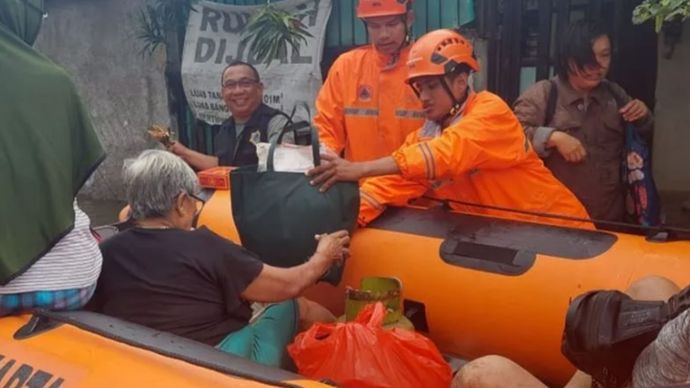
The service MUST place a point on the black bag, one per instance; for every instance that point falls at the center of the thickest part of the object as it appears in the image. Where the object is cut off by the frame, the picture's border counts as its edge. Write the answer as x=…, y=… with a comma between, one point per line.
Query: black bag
x=605, y=332
x=278, y=213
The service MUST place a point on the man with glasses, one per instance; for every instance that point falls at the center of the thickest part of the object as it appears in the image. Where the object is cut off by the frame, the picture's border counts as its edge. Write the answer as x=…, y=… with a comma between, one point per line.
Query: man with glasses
x=251, y=121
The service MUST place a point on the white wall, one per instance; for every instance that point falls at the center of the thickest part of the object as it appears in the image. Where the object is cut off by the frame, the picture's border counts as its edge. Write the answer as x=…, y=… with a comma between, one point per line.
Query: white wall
x=124, y=92
x=672, y=114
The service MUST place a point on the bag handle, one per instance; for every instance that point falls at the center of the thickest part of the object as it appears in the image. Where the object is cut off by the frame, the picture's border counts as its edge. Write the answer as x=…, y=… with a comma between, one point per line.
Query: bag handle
x=372, y=315
x=289, y=125
x=315, y=148
x=630, y=131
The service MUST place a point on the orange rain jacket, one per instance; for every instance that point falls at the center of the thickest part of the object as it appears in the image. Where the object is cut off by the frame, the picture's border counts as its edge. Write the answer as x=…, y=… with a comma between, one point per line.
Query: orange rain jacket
x=482, y=158
x=365, y=108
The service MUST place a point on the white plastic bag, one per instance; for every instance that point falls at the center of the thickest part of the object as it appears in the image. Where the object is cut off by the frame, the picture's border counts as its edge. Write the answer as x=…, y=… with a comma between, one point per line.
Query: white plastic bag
x=287, y=158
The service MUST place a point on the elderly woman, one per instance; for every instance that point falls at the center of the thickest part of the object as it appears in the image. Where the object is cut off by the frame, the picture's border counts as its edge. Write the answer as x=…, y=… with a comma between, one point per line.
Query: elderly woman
x=581, y=134
x=164, y=274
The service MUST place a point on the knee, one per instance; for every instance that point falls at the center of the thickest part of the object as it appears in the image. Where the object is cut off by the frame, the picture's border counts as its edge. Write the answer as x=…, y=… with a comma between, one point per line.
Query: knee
x=481, y=372
x=652, y=288
x=312, y=312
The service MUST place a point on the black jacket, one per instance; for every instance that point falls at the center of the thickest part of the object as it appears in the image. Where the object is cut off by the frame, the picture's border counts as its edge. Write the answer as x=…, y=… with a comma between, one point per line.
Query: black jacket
x=232, y=151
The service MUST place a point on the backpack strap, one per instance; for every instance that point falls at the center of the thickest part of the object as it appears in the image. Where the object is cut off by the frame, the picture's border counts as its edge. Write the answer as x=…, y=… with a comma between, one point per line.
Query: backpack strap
x=551, y=99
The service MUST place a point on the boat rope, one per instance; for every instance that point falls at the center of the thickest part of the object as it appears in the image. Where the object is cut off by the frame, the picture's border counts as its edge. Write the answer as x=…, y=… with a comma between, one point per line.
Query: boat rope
x=655, y=233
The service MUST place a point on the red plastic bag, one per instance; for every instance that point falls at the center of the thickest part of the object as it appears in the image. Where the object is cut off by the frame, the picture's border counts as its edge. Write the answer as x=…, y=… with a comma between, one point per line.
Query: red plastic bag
x=362, y=354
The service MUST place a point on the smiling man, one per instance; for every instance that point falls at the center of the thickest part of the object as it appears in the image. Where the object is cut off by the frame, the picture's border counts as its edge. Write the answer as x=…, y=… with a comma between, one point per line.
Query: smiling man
x=364, y=109
x=471, y=149
x=251, y=121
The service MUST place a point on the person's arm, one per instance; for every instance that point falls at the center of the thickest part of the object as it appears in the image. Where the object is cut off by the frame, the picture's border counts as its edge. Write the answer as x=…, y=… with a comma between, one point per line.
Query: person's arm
x=633, y=110
x=379, y=192
x=335, y=169
x=197, y=160
x=530, y=109
x=488, y=137
x=275, y=284
x=570, y=148
x=330, y=118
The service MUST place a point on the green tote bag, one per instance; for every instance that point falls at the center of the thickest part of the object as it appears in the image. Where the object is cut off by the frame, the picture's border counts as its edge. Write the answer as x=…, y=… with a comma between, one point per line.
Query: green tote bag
x=278, y=213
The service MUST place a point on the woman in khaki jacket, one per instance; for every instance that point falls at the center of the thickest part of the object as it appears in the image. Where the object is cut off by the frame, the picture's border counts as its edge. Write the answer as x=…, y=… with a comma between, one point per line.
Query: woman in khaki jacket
x=576, y=121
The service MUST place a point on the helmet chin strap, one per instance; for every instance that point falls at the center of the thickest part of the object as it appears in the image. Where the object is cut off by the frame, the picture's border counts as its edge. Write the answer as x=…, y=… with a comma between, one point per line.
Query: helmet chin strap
x=457, y=103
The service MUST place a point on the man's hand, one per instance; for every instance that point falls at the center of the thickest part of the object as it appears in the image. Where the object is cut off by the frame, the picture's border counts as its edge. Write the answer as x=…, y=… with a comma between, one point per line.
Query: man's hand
x=569, y=147
x=177, y=148
x=634, y=110
x=334, y=169
x=332, y=247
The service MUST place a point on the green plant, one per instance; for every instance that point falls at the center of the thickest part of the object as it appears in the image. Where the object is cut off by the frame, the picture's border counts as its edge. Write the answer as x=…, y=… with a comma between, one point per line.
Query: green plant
x=272, y=30
x=156, y=17
x=661, y=11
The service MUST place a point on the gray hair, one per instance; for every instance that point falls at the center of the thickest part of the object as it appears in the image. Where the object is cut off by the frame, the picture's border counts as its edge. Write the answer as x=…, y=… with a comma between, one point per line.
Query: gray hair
x=154, y=179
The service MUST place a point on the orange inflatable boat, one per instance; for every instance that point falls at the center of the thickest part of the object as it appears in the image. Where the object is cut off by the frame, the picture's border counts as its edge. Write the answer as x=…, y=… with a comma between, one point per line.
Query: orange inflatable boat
x=83, y=349
x=478, y=285
x=475, y=285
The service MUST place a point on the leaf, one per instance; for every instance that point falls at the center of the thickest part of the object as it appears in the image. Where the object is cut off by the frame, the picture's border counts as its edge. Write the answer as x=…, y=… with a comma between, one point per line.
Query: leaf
x=661, y=11
x=272, y=30
x=156, y=17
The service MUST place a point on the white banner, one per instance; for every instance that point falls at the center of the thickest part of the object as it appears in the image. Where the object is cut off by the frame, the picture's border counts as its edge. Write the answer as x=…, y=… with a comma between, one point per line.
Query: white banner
x=213, y=40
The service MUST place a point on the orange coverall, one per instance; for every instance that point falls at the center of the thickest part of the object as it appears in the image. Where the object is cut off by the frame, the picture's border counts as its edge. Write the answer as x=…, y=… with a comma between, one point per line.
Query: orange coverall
x=365, y=108
x=483, y=158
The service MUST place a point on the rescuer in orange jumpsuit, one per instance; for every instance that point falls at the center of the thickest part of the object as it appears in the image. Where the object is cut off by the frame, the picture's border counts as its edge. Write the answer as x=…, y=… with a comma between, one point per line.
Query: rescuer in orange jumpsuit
x=364, y=109
x=471, y=149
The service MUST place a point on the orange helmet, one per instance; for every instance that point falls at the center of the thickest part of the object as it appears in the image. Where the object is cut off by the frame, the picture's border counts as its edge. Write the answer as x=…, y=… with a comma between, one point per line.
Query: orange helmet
x=375, y=8
x=438, y=53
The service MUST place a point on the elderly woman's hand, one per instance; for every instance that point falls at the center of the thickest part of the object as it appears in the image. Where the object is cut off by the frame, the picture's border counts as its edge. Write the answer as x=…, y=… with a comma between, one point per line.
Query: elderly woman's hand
x=334, y=169
x=333, y=247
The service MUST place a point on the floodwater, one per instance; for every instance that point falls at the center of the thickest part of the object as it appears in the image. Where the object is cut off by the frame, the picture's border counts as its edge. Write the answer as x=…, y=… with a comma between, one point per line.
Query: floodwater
x=101, y=212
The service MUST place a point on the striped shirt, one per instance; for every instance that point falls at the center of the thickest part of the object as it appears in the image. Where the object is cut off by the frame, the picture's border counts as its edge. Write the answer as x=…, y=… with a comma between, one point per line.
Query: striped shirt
x=74, y=262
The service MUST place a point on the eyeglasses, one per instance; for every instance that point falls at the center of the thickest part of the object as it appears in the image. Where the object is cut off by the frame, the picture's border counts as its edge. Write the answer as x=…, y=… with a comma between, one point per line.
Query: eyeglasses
x=244, y=83
x=197, y=197
x=198, y=203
